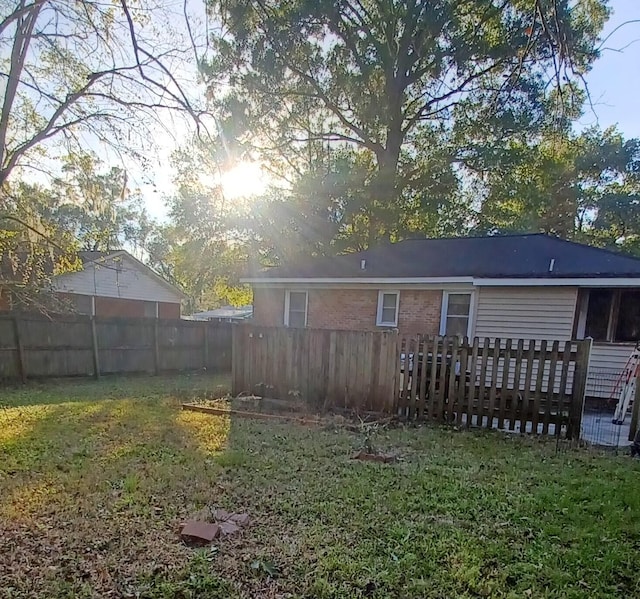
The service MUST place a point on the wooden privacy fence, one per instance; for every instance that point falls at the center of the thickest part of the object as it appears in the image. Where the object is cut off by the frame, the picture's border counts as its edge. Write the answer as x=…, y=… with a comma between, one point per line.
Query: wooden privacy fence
x=33, y=345
x=529, y=386
x=329, y=369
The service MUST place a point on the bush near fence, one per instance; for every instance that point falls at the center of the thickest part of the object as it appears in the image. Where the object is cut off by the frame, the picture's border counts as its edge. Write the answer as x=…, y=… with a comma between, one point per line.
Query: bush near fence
x=35, y=345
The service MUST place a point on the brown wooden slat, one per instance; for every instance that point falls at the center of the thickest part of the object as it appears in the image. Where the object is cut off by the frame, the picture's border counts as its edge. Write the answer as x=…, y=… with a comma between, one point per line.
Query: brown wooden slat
x=495, y=361
x=422, y=394
x=538, y=389
x=548, y=408
x=415, y=344
x=482, y=384
x=526, y=399
x=459, y=406
x=451, y=387
x=564, y=378
x=516, y=397
x=579, y=388
x=432, y=408
x=471, y=396
x=504, y=387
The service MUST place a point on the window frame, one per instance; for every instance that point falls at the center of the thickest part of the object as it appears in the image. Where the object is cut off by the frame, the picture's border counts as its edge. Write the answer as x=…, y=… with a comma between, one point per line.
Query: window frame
x=582, y=311
x=445, y=308
x=287, y=305
x=379, y=311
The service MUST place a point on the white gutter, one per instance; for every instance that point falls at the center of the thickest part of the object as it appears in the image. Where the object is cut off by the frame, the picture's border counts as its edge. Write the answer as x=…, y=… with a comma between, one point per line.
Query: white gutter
x=553, y=282
x=363, y=280
x=476, y=282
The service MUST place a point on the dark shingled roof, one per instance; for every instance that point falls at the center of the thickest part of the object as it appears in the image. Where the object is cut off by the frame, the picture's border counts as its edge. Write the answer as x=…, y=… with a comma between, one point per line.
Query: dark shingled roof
x=509, y=256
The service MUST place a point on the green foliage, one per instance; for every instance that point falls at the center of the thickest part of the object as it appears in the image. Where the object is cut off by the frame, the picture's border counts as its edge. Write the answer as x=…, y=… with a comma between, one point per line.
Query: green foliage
x=399, y=82
x=577, y=186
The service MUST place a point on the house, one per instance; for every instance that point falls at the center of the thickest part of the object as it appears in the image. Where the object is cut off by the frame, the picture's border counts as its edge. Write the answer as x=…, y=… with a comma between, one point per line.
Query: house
x=115, y=284
x=521, y=286
x=224, y=314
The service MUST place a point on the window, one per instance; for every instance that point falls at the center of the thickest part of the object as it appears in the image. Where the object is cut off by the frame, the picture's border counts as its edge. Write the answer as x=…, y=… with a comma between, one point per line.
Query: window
x=388, y=303
x=611, y=315
x=456, y=310
x=295, y=309
x=150, y=309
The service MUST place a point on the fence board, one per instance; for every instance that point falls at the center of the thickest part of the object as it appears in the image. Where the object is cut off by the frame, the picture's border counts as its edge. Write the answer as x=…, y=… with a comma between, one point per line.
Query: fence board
x=77, y=345
x=355, y=370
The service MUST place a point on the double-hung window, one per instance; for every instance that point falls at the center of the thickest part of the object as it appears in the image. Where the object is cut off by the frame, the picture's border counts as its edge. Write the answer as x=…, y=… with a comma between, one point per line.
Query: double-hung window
x=295, y=309
x=456, y=314
x=388, y=304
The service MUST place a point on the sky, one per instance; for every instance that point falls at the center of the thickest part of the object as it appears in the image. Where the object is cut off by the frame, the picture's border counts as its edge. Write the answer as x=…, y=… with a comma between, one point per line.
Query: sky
x=613, y=83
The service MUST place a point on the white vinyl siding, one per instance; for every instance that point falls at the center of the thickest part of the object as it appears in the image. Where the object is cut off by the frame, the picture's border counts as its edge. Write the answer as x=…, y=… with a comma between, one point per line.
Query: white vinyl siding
x=526, y=312
x=118, y=277
x=606, y=364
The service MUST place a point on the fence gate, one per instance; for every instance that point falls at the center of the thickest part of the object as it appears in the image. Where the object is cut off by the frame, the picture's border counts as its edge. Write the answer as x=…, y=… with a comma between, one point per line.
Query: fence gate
x=526, y=386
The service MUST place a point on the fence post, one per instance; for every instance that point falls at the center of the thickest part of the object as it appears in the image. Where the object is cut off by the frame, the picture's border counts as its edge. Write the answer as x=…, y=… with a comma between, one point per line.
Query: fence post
x=22, y=368
x=583, y=355
x=156, y=348
x=635, y=414
x=94, y=346
x=235, y=359
x=205, y=347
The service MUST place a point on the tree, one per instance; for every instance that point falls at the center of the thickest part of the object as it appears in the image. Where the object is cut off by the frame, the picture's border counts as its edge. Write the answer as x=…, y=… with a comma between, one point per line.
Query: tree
x=202, y=247
x=584, y=187
x=77, y=75
x=82, y=68
x=98, y=208
x=383, y=75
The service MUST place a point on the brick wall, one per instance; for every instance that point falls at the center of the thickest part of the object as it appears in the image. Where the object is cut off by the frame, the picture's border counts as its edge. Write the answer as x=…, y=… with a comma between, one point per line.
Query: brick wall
x=352, y=309
x=268, y=307
x=168, y=310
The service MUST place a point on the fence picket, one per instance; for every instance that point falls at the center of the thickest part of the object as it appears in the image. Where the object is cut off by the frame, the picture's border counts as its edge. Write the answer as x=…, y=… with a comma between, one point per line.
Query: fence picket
x=551, y=384
x=495, y=362
x=516, y=396
x=504, y=386
x=482, y=385
x=542, y=361
x=472, y=368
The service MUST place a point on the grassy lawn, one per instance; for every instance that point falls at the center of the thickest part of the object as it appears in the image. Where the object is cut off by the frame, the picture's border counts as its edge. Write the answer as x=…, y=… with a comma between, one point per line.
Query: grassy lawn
x=95, y=478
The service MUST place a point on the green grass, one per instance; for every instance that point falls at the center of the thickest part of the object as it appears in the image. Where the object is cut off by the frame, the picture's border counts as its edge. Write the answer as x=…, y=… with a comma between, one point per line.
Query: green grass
x=95, y=478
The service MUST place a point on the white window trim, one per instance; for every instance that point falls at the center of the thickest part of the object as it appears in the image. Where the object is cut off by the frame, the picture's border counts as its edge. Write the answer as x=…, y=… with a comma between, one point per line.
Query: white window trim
x=287, y=303
x=381, y=294
x=445, y=307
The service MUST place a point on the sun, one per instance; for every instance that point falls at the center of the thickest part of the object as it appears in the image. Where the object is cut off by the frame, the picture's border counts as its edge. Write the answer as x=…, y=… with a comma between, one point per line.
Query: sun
x=244, y=180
